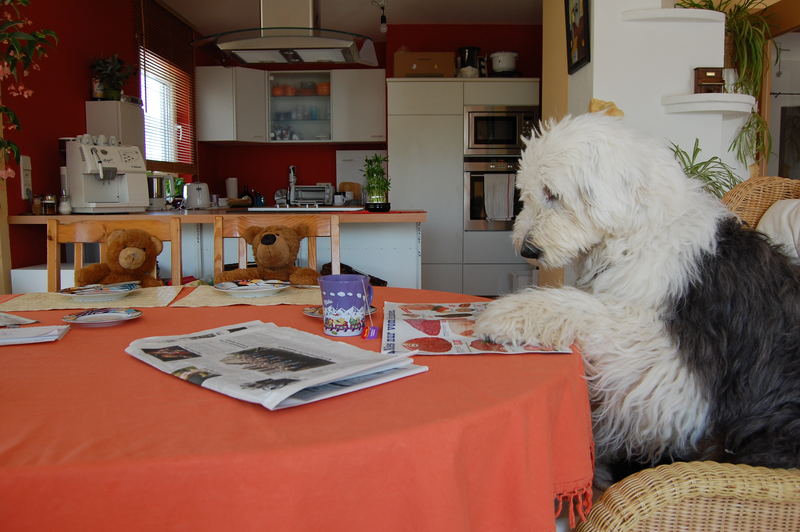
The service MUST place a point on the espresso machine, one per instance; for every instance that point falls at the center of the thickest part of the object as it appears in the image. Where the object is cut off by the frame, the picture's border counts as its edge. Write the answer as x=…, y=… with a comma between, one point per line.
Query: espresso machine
x=105, y=178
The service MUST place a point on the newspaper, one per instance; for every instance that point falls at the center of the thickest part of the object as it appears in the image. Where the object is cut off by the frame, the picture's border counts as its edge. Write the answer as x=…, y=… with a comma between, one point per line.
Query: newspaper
x=276, y=367
x=442, y=329
x=32, y=335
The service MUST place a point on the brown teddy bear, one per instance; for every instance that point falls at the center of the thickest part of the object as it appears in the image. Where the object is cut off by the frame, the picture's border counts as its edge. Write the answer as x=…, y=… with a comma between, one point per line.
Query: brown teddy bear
x=275, y=249
x=130, y=256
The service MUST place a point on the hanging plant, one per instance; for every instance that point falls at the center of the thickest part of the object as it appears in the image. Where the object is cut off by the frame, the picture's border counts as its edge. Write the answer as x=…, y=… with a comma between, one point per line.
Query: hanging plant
x=748, y=32
x=19, y=50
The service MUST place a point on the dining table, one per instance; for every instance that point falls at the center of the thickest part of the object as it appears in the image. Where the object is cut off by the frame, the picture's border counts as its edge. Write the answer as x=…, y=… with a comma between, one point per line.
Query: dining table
x=91, y=438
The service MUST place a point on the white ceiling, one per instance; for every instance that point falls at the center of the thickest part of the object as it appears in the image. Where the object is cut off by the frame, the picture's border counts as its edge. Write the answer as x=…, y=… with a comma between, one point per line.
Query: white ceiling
x=360, y=16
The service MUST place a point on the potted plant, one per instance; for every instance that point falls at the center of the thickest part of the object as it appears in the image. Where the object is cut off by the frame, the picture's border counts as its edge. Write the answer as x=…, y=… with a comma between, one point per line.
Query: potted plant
x=376, y=191
x=747, y=32
x=717, y=177
x=111, y=73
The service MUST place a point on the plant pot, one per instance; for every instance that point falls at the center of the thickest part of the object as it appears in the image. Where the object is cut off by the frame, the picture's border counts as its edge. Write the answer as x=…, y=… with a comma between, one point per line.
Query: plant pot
x=112, y=94
x=378, y=207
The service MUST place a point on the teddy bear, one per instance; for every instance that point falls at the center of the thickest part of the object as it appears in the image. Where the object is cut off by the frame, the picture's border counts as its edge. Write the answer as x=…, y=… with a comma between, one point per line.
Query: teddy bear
x=130, y=256
x=275, y=250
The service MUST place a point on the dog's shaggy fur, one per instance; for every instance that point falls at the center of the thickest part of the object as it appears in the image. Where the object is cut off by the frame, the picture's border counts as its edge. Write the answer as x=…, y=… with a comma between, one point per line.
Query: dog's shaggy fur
x=688, y=323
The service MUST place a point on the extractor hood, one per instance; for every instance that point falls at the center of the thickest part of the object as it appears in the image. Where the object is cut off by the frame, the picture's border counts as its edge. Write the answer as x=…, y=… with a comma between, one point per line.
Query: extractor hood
x=290, y=33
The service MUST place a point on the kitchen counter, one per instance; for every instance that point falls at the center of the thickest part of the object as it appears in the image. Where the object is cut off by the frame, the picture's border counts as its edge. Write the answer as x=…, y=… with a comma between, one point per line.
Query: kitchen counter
x=206, y=216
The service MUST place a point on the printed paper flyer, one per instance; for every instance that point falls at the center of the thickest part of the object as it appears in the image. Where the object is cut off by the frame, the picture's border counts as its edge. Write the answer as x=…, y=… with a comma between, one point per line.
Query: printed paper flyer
x=441, y=329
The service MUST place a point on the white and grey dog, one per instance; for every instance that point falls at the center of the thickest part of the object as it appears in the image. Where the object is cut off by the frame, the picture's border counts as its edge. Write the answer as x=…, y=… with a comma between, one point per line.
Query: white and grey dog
x=688, y=323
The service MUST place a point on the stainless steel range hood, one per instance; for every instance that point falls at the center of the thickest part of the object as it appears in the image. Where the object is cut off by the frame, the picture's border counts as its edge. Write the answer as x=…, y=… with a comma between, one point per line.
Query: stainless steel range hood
x=290, y=33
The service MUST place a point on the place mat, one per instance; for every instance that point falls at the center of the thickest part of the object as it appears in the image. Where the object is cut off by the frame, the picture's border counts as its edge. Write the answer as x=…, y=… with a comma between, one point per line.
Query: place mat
x=208, y=296
x=157, y=296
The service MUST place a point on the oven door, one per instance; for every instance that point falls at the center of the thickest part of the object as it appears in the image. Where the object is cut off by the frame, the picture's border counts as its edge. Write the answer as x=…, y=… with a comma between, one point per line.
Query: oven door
x=490, y=199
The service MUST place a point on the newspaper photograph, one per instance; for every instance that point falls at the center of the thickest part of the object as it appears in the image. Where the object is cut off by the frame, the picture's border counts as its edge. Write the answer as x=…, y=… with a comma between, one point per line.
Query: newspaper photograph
x=276, y=367
x=442, y=329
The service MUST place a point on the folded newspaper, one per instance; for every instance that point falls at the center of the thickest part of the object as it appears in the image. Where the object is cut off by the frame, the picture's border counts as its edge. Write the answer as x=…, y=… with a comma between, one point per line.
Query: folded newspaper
x=276, y=367
x=442, y=329
x=32, y=335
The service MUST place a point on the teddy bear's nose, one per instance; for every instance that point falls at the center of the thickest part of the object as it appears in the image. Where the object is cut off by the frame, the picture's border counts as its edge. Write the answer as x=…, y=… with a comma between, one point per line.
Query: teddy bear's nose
x=268, y=239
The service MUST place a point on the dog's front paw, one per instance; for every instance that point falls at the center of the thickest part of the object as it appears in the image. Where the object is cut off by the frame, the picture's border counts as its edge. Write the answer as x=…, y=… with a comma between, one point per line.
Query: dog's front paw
x=528, y=317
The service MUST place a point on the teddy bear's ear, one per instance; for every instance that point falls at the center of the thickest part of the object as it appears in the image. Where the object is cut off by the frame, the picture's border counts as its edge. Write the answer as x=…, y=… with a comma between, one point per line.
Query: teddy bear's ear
x=113, y=236
x=157, y=244
x=251, y=233
x=302, y=231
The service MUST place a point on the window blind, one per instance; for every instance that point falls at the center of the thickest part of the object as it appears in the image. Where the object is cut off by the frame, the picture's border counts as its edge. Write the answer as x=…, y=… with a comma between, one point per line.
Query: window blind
x=167, y=92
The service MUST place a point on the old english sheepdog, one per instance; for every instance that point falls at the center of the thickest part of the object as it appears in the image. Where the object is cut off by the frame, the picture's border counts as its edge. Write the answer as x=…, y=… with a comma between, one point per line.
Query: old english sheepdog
x=689, y=324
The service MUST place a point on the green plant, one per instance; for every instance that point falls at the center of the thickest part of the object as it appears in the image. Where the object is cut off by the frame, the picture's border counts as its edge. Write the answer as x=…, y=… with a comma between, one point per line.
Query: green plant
x=19, y=50
x=378, y=183
x=747, y=28
x=112, y=72
x=716, y=175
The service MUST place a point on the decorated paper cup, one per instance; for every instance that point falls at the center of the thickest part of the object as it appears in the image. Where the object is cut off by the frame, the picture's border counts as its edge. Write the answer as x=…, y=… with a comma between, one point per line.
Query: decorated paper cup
x=345, y=300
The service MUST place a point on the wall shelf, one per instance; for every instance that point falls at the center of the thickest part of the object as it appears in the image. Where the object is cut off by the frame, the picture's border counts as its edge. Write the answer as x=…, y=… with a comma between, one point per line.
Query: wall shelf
x=710, y=102
x=673, y=15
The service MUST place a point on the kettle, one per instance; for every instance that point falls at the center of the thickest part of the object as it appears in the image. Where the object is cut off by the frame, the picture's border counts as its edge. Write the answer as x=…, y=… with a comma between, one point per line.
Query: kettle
x=196, y=196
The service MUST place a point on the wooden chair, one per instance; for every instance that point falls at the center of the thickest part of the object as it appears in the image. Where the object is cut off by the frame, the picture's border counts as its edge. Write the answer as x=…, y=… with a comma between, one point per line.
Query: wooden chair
x=319, y=225
x=165, y=228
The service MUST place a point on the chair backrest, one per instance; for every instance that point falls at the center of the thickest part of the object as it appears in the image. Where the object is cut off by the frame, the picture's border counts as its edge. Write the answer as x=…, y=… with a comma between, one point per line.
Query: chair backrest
x=165, y=228
x=318, y=225
x=750, y=199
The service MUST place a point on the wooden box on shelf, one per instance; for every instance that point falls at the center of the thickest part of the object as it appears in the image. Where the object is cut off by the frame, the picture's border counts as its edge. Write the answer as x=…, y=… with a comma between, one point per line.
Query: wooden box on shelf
x=708, y=79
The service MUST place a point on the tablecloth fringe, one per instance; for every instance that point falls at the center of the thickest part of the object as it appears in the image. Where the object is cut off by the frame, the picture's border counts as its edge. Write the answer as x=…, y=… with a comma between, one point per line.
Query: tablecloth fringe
x=579, y=503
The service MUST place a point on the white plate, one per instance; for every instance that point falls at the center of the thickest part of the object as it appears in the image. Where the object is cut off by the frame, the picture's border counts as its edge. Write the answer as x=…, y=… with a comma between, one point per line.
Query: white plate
x=102, y=317
x=316, y=312
x=110, y=292
x=252, y=288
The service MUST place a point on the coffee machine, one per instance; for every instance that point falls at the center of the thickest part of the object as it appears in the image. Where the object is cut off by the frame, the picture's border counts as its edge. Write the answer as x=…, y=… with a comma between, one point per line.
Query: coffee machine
x=105, y=178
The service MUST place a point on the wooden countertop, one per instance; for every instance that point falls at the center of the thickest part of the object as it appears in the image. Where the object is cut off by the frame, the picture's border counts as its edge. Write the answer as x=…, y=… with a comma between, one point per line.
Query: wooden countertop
x=199, y=216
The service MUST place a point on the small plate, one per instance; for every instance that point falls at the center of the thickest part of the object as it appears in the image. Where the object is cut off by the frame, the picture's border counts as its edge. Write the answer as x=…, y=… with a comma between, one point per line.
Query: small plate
x=252, y=287
x=101, y=292
x=316, y=312
x=102, y=317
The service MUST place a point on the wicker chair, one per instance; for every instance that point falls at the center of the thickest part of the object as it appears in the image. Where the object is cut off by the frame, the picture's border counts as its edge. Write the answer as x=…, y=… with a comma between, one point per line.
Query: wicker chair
x=707, y=496
x=750, y=199
x=702, y=497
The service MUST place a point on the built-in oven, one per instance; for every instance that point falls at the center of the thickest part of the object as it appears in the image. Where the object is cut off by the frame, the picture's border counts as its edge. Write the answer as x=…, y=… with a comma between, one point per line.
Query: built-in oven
x=491, y=199
x=497, y=130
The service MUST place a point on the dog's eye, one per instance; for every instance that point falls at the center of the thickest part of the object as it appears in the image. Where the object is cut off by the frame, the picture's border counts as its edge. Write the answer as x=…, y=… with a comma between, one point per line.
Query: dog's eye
x=549, y=195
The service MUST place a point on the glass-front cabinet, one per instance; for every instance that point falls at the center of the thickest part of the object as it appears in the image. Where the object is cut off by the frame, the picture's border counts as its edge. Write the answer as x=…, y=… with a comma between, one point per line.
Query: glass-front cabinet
x=299, y=106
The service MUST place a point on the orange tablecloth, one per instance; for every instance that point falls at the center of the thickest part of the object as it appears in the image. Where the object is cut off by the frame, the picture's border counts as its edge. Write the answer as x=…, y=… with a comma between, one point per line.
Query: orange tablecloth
x=93, y=439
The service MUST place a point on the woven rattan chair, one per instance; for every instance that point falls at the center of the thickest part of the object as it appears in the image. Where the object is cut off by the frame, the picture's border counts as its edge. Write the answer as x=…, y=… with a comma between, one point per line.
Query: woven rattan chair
x=700, y=497
x=750, y=199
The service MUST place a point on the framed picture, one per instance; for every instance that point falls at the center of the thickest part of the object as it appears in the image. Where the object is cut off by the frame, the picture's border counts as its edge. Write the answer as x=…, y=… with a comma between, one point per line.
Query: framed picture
x=577, y=18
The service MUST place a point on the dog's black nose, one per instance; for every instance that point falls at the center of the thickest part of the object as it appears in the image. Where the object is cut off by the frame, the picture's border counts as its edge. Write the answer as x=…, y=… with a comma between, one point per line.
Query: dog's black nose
x=529, y=251
x=268, y=239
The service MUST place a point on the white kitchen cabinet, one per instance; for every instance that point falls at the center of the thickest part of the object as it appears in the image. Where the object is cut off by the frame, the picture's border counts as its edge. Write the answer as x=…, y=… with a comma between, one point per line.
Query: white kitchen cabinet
x=124, y=120
x=426, y=168
x=300, y=106
x=495, y=279
x=231, y=104
x=415, y=97
x=488, y=91
x=358, y=105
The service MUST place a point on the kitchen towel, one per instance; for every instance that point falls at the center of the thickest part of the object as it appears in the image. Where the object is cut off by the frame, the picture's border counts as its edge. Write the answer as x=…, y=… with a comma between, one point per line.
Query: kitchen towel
x=232, y=187
x=498, y=196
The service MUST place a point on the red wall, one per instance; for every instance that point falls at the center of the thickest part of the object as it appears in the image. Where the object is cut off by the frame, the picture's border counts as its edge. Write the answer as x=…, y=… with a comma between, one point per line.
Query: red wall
x=87, y=29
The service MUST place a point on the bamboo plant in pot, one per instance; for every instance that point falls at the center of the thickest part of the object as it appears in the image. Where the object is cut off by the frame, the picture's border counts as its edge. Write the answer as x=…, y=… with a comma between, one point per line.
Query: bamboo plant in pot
x=376, y=190
x=111, y=73
x=747, y=33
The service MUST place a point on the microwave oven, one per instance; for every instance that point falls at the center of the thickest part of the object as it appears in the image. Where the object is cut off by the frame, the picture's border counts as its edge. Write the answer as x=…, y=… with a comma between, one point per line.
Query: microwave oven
x=497, y=130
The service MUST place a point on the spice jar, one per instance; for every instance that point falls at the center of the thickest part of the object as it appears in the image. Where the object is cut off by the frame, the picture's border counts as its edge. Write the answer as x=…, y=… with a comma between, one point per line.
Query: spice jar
x=49, y=204
x=64, y=205
x=36, y=204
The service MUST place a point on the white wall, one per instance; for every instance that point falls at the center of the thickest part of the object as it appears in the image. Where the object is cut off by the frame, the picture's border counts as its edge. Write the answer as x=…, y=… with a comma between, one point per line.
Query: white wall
x=788, y=81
